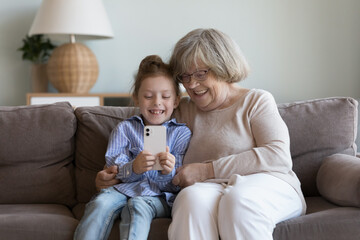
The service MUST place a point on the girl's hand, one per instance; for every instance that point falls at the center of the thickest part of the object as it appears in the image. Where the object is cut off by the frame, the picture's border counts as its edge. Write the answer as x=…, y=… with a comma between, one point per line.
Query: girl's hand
x=167, y=161
x=143, y=162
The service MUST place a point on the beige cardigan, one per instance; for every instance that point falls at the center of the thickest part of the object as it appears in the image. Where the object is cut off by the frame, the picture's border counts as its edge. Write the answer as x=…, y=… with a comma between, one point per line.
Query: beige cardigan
x=245, y=138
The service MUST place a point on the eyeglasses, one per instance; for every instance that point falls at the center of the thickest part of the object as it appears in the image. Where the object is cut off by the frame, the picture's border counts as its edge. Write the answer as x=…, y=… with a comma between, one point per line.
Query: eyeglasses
x=200, y=75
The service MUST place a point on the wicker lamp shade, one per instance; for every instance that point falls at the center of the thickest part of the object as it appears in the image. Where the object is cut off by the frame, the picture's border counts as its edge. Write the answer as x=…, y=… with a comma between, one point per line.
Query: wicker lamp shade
x=73, y=68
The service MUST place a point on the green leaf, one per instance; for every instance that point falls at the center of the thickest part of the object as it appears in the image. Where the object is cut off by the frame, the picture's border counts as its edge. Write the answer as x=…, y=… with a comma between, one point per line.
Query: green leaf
x=36, y=48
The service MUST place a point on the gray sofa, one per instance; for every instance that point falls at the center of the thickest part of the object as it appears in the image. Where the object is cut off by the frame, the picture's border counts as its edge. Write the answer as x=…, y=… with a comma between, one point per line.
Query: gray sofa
x=50, y=154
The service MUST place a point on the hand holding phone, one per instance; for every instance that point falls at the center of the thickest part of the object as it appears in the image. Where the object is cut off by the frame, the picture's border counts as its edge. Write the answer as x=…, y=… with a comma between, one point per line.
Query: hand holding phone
x=167, y=161
x=143, y=162
x=155, y=142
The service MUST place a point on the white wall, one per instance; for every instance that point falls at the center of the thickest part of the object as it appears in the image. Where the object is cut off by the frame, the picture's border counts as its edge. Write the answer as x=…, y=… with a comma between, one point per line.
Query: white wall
x=297, y=49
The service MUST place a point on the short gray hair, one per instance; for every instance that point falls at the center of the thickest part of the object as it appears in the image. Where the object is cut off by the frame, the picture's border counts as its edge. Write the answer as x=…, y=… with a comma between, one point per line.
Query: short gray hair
x=212, y=48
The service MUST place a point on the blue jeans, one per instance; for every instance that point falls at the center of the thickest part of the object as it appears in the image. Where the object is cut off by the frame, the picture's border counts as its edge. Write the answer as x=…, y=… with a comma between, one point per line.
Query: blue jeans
x=136, y=215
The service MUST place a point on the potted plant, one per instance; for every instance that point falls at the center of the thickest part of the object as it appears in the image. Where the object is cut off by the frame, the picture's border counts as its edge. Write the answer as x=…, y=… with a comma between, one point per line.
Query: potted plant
x=37, y=49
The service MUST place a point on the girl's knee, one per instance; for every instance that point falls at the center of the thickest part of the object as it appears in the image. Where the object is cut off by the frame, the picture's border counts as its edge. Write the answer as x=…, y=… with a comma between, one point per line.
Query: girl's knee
x=135, y=201
x=136, y=204
x=107, y=199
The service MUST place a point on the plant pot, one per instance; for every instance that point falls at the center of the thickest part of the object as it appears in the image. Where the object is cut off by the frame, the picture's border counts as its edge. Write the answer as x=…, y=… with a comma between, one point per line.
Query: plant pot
x=39, y=78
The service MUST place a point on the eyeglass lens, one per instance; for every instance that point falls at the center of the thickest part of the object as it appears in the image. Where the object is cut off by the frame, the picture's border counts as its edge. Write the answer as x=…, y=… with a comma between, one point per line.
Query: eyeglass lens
x=198, y=75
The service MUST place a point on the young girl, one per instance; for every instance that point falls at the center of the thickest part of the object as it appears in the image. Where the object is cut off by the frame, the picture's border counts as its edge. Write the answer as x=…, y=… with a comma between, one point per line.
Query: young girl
x=143, y=193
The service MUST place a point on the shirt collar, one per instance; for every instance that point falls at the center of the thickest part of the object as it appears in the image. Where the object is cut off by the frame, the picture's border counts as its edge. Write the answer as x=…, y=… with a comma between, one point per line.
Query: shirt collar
x=167, y=123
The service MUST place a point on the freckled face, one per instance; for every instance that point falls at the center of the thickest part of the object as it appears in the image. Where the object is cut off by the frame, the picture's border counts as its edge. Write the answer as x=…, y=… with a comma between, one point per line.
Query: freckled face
x=156, y=99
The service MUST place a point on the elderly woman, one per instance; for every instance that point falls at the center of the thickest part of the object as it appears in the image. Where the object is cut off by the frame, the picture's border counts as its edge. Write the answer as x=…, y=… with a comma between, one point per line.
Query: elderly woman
x=237, y=176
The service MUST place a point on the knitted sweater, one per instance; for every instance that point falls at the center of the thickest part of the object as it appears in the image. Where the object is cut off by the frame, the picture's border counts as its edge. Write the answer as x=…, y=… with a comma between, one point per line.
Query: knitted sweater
x=246, y=138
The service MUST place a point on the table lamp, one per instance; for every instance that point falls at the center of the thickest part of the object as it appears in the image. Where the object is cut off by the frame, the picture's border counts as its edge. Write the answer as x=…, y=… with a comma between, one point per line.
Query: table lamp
x=72, y=67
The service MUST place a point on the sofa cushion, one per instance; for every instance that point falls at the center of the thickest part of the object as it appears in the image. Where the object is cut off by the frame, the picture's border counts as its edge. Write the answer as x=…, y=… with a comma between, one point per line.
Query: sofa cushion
x=325, y=222
x=319, y=224
x=94, y=127
x=36, y=154
x=36, y=221
x=319, y=128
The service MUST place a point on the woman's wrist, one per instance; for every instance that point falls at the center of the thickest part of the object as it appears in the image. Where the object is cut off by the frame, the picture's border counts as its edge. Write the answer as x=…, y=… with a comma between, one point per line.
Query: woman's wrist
x=209, y=171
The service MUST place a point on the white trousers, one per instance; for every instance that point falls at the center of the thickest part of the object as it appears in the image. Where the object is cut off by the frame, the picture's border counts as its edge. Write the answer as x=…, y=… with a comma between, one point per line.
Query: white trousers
x=247, y=208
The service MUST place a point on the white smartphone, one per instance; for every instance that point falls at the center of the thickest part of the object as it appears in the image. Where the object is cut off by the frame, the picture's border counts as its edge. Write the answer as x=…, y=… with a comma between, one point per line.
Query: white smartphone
x=155, y=142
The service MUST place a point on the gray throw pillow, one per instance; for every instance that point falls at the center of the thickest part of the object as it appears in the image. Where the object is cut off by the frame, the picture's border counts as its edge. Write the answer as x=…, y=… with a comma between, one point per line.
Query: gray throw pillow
x=338, y=180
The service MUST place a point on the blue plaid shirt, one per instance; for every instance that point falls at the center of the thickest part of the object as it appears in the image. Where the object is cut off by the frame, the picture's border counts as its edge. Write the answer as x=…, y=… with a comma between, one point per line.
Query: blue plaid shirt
x=127, y=141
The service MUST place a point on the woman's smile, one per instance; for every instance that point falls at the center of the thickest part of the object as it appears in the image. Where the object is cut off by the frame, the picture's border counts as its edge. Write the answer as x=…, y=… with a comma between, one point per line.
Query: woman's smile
x=200, y=92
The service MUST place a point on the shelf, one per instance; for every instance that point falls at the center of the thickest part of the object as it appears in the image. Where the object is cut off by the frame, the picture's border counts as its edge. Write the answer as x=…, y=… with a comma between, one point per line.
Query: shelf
x=80, y=100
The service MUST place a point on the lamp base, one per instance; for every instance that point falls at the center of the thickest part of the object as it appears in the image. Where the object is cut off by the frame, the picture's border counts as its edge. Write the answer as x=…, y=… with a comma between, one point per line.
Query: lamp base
x=73, y=68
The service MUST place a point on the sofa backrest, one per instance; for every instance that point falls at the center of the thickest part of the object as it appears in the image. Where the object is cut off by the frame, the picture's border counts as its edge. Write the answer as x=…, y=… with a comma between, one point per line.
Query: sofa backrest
x=94, y=127
x=319, y=128
x=37, y=153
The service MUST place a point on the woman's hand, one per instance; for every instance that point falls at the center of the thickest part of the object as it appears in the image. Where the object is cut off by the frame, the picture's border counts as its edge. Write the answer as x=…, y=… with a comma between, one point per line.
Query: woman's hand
x=167, y=161
x=143, y=162
x=106, y=178
x=189, y=174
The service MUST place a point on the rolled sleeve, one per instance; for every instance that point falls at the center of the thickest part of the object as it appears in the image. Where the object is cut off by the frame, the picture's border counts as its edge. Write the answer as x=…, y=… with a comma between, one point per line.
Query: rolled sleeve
x=126, y=174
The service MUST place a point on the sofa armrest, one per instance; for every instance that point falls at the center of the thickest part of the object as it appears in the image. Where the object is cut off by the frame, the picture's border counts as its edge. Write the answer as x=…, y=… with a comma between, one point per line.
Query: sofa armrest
x=338, y=180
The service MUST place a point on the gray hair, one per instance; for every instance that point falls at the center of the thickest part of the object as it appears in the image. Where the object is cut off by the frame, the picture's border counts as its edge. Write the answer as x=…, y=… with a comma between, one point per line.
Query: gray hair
x=212, y=48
